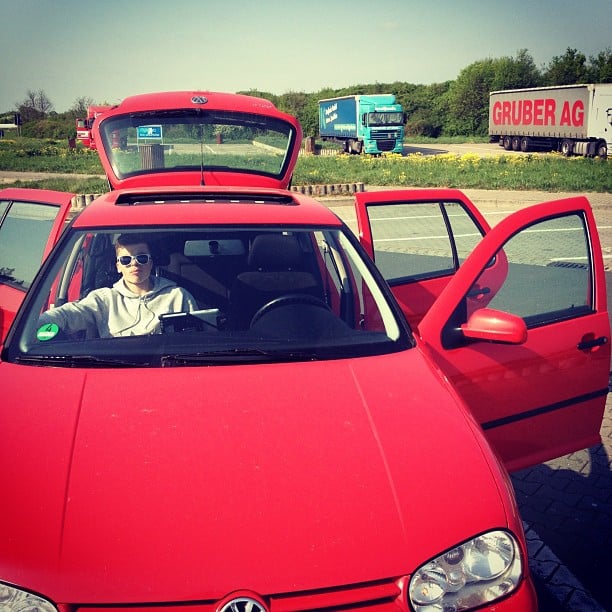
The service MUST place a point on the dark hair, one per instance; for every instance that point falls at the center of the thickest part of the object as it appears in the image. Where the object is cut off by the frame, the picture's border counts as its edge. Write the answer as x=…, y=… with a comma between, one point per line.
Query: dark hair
x=124, y=240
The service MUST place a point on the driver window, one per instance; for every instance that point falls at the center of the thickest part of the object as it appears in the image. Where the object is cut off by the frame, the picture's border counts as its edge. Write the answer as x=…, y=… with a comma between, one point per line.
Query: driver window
x=549, y=273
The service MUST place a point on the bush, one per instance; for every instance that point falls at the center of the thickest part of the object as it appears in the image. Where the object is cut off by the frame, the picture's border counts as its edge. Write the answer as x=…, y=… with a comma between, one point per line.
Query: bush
x=49, y=128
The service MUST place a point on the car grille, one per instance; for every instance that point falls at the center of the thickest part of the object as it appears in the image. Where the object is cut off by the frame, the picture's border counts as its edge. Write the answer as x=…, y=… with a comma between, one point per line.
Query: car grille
x=382, y=596
x=386, y=140
x=385, y=145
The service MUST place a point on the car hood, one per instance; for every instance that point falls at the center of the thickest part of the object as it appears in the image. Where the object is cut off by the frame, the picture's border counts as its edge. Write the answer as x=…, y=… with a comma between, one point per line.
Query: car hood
x=185, y=484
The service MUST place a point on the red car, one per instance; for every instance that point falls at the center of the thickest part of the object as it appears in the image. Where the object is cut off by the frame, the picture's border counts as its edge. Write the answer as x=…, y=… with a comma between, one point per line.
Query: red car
x=216, y=397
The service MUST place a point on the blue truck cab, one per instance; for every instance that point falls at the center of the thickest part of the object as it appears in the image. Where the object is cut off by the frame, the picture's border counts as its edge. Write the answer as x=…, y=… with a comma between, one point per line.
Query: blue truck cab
x=363, y=124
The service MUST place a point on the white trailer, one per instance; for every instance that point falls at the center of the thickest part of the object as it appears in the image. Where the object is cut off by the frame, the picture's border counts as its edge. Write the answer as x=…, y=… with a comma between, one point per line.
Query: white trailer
x=571, y=119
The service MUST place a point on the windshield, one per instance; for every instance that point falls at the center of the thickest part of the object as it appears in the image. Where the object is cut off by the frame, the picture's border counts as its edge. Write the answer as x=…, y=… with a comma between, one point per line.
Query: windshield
x=176, y=296
x=196, y=140
x=394, y=118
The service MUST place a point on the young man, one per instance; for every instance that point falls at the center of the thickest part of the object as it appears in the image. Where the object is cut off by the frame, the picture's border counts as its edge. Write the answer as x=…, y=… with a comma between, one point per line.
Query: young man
x=130, y=307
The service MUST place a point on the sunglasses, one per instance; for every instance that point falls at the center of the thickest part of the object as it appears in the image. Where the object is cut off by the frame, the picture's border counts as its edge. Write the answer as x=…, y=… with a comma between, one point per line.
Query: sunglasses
x=142, y=259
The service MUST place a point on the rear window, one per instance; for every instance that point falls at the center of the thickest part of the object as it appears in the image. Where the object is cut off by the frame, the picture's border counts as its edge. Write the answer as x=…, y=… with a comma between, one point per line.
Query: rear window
x=190, y=140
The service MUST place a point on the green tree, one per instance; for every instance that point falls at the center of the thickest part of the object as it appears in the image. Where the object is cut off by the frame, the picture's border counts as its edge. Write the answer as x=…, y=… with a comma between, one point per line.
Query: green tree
x=468, y=99
x=296, y=103
x=567, y=69
x=516, y=72
x=261, y=94
x=80, y=106
x=600, y=67
x=468, y=96
x=425, y=107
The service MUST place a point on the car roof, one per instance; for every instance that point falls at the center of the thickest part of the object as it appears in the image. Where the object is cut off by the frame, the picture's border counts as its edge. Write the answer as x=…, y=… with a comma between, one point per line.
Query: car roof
x=221, y=206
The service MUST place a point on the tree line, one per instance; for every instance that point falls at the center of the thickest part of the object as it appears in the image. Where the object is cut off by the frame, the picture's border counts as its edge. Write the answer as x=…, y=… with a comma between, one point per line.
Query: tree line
x=453, y=108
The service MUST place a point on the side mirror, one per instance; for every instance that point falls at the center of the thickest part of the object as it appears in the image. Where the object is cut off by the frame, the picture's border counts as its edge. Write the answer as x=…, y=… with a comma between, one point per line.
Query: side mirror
x=495, y=326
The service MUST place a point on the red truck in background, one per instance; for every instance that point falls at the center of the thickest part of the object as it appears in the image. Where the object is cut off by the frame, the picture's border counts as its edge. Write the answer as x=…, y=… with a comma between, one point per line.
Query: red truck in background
x=571, y=119
x=83, y=126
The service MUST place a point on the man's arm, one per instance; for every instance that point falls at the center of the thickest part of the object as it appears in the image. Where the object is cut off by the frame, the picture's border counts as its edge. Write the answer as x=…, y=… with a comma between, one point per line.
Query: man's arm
x=76, y=316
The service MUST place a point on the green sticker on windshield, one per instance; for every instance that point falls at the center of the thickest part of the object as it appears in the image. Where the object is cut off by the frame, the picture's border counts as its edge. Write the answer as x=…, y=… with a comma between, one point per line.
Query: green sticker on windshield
x=47, y=332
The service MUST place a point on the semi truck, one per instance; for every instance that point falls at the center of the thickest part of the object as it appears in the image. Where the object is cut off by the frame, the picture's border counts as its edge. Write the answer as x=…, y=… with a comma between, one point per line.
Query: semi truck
x=570, y=119
x=363, y=123
x=84, y=125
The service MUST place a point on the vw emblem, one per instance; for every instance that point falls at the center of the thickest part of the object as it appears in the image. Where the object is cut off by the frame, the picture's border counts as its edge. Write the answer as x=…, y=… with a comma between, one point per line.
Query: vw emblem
x=243, y=604
x=199, y=99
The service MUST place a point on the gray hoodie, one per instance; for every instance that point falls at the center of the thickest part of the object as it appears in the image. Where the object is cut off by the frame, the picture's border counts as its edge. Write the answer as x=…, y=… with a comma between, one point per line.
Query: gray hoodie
x=116, y=311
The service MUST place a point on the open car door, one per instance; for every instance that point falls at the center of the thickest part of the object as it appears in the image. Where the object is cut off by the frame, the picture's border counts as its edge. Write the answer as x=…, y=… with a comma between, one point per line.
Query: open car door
x=31, y=221
x=533, y=362
x=418, y=239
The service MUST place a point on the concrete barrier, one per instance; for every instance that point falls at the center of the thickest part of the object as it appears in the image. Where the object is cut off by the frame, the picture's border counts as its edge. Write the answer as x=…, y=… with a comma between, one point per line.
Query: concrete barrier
x=329, y=190
x=80, y=201
x=324, y=152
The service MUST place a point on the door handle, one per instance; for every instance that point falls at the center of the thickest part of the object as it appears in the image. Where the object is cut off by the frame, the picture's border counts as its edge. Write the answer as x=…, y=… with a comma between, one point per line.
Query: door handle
x=478, y=292
x=589, y=344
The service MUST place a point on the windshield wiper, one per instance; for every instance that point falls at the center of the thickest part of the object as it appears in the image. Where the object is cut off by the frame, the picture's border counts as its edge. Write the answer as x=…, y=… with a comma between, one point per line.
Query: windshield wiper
x=74, y=361
x=240, y=355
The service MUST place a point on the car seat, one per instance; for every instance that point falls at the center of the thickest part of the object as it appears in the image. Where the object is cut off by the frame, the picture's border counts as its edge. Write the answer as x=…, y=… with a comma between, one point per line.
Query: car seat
x=275, y=270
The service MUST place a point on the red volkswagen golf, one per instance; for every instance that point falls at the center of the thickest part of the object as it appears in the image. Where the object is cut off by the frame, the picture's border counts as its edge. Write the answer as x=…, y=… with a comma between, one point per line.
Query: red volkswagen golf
x=216, y=397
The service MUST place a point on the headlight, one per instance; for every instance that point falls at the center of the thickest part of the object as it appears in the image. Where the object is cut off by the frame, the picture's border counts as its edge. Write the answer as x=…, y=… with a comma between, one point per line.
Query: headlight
x=15, y=600
x=475, y=573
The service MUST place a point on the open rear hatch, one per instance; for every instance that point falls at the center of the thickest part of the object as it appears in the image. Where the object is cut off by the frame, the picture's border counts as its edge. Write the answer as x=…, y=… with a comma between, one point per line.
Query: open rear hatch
x=197, y=138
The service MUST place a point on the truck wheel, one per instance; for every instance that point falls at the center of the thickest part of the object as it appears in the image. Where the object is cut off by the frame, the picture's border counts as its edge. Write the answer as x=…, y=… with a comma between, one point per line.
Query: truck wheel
x=602, y=149
x=516, y=143
x=567, y=147
x=507, y=143
x=525, y=144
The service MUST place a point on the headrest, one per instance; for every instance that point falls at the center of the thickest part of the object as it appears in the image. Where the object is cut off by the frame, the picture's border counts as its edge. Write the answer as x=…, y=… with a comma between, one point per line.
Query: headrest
x=274, y=252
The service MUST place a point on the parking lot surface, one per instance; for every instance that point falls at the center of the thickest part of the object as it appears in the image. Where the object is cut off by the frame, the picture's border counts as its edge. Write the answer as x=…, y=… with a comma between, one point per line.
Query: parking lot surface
x=566, y=504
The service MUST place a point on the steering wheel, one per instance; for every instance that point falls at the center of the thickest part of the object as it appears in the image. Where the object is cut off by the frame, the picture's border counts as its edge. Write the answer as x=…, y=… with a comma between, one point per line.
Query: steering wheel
x=288, y=300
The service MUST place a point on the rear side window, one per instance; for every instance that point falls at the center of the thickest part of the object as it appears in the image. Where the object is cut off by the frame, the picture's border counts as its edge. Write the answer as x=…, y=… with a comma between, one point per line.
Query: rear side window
x=24, y=231
x=415, y=241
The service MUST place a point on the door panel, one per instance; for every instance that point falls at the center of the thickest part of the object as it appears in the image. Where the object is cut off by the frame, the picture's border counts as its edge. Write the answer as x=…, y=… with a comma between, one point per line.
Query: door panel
x=545, y=397
x=31, y=221
x=418, y=239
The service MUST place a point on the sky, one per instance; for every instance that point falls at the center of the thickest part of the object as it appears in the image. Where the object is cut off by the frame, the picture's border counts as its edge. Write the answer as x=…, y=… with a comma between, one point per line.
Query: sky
x=108, y=50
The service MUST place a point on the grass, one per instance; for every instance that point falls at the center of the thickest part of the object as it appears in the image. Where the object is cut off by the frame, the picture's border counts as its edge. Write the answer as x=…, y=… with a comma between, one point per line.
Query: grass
x=538, y=171
x=542, y=172
x=32, y=155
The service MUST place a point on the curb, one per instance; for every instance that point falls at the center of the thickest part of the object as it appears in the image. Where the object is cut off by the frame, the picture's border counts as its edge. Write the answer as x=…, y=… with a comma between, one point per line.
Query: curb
x=327, y=190
x=80, y=201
